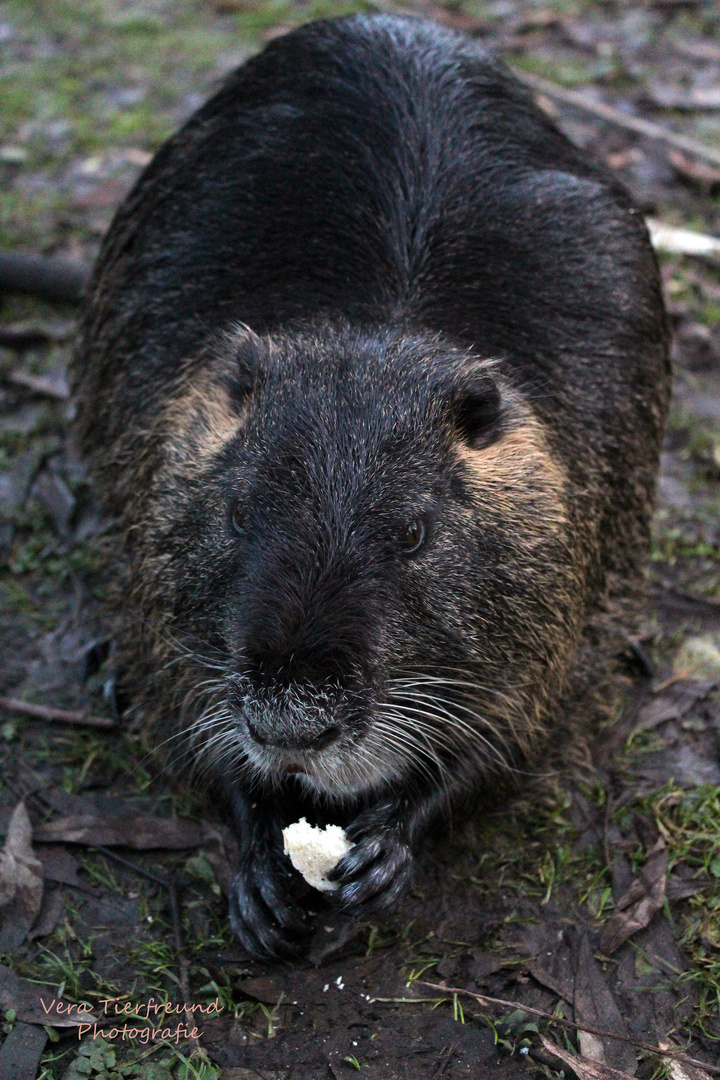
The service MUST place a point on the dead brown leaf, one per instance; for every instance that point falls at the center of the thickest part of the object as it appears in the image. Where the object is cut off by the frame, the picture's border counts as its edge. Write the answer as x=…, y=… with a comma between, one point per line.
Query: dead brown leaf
x=50, y=915
x=622, y=158
x=483, y=964
x=674, y=702
x=101, y=195
x=562, y=986
x=682, y=883
x=594, y=1004
x=52, y=386
x=583, y=1067
x=268, y=991
x=142, y=833
x=21, y=1051
x=680, y=1070
x=639, y=904
x=59, y=865
x=697, y=48
x=21, y=881
x=35, y=1004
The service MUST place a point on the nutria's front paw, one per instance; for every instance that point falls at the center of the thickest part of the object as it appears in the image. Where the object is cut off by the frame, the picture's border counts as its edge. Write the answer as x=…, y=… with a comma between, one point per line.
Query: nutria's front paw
x=266, y=924
x=375, y=872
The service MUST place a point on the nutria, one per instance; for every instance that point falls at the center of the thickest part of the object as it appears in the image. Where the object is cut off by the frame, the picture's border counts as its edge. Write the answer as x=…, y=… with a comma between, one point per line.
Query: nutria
x=372, y=380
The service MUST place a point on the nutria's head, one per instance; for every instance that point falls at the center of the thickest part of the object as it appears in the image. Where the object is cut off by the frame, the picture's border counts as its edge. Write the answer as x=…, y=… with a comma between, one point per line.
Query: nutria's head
x=365, y=534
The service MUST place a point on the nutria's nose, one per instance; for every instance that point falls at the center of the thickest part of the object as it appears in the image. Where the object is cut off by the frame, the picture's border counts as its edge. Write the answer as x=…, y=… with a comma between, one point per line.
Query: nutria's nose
x=295, y=666
x=303, y=739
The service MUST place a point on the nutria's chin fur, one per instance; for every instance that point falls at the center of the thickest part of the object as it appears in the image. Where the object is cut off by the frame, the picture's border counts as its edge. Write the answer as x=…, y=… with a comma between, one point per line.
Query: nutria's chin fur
x=373, y=379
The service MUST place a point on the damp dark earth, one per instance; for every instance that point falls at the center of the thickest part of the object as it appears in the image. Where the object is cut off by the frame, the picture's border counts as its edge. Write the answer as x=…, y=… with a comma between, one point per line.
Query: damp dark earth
x=571, y=931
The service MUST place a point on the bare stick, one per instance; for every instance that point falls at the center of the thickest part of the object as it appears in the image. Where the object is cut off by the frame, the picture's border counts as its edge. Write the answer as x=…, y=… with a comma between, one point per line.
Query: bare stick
x=61, y=716
x=606, y=112
x=483, y=999
x=38, y=385
x=183, y=963
x=60, y=280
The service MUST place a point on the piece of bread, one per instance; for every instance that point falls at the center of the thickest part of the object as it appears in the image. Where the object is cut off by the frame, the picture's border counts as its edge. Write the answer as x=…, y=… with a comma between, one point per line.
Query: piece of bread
x=314, y=851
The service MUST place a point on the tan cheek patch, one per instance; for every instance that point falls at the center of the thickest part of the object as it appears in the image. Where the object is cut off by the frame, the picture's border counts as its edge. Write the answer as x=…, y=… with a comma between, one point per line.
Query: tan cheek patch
x=519, y=471
x=198, y=425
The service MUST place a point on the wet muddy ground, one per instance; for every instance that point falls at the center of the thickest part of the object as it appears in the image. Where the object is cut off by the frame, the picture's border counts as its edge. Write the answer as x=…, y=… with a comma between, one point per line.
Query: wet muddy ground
x=593, y=900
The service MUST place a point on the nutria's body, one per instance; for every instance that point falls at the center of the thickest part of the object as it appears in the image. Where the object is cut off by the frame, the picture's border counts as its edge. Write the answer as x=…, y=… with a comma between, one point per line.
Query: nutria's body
x=373, y=380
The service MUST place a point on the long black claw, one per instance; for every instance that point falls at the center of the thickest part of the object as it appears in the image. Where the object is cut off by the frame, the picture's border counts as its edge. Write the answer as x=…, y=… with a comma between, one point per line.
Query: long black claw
x=265, y=926
x=373, y=874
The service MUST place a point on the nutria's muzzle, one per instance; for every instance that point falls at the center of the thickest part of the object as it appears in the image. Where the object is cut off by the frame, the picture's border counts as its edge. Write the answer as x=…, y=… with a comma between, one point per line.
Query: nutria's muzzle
x=296, y=716
x=309, y=735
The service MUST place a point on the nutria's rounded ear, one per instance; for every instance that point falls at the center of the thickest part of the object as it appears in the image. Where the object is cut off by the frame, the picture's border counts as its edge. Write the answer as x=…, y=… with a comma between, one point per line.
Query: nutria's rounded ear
x=249, y=364
x=477, y=408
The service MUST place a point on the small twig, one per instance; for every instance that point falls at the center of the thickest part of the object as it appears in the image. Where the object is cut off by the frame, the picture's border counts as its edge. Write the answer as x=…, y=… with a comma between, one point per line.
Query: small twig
x=183, y=962
x=59, y=280
x=61, y=716
x=23, y=338
x=605, y=112
x=483, y=999
x=444, y=1059
x=110, y=854
x=38, y=385
x=679, y=676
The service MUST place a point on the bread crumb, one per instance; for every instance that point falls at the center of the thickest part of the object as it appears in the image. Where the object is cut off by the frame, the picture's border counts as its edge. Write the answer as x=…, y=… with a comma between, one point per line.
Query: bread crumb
x=314, y=851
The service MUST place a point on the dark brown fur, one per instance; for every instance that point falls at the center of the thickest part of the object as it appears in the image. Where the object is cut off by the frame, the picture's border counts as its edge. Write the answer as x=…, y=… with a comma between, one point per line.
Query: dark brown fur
x=358, y=543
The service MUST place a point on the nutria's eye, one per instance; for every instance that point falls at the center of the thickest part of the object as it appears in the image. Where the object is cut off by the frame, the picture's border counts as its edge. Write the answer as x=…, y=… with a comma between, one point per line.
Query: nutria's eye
x=238, y=519
x=412, y=537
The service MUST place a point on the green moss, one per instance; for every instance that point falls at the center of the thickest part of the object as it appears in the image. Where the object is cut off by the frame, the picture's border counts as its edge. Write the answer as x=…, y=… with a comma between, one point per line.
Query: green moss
x=568, y=72
x=672, y=545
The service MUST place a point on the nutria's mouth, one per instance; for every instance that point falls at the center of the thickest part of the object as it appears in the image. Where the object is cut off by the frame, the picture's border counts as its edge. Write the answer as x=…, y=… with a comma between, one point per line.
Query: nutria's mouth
x=295, y=769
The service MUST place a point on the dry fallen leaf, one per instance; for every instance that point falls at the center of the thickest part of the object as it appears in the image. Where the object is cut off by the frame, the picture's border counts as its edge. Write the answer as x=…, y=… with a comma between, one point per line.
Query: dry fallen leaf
x=561, y=983
x=583, y=1067
x=36, y=1004
x=699, y=655
x=683, y=883
x=142, y=833
x=639, y=904
x=59, y=865
x=680, y=1070
x=269, y=991
x=50, y=915
x=673, y=703
x=21, y=1051
x=145, y=833
x=21, y=881
x=594, y=1004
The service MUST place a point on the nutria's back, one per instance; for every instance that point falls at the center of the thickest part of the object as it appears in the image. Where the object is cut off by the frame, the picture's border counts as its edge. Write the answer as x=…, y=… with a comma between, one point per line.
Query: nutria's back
x=419, y=186
x=373, y=379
